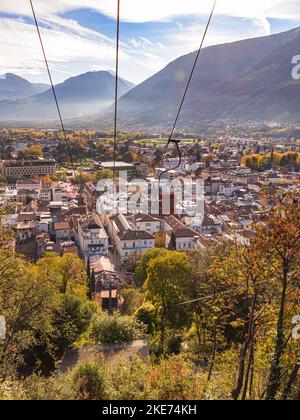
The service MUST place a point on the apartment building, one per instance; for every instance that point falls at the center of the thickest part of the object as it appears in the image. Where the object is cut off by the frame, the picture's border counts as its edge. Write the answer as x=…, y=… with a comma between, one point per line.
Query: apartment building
x=92, y=237
x=179, y=237
x=129, y=241
x=62, y=231
x=91, y=195
x=27, y=168
x=147, y=223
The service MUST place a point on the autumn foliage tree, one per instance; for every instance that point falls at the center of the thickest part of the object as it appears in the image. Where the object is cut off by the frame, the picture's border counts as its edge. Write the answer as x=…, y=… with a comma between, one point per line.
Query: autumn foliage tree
x=44, y=305
x=279, y=241
x=279, y=160
x=34, y=150
x=166, y=286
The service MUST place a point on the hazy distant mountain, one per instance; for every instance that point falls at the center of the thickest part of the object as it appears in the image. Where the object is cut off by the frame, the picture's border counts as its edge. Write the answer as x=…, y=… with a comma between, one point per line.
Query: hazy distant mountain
x=249, y=79
x=244, y=80
x=15, y=87
x=80, y=95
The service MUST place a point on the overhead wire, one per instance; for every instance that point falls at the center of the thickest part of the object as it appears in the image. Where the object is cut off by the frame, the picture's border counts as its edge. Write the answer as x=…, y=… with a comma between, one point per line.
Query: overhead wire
x=188, y=302
x=171, y=140
x=66, y=140
x=116, y=84
x=115, y=140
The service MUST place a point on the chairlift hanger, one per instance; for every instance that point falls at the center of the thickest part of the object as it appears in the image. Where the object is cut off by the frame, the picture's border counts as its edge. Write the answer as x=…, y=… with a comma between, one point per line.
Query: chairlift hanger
x=171, y=139
x=176, y=143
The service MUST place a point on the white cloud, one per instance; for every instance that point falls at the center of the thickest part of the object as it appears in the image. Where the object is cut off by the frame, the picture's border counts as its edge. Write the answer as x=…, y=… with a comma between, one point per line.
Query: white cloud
x=22, y=51
x=72, y=48
x=154, y=10
x=147, y=41
x=262, y=24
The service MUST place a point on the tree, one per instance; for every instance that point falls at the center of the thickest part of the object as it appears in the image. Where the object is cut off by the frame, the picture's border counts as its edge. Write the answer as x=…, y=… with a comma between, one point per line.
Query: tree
x=68, y=271
x=6, y=148
x=209, y=158
x=166, y=287
x=160, y=239
x=211, y=305
x=70, y=321
x=133, y=299
x=158, y=156
x=89, y=382
x=28, y=301
x=279, y=240
x=288, y=159
x=3, y=180
x=146, y=314
x=33, y=151
x=47, y=180
x=142, y=266
x=45, y=308
x=103, y=174
x=129, y=157
x=248, y=267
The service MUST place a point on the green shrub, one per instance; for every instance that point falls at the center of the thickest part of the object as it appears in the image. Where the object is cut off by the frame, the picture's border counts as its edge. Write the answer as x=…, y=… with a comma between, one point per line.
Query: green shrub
x=116, y=329
x=89, y=382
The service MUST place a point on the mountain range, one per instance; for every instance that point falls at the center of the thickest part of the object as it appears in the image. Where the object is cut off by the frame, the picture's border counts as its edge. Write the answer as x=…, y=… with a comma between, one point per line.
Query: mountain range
x=245, y=80
x=15, y=87
x=77, y=96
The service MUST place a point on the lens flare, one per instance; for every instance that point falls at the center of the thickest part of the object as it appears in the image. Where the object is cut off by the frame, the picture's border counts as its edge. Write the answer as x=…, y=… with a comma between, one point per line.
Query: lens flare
x=180, y=75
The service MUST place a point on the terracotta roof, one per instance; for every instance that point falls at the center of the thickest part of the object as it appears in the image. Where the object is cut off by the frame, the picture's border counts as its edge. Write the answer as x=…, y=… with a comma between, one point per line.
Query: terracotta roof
x=26, y=217
x=26, y=225
x=121, y=223
x=185, y=233
x=90, y=222
x=28, y=181
x=145, y=218
x=99, y=264
x=204, y=241
x=61, y=226
x=75, y=210
x=131, y=235
x=208, y=221
x=173, y=222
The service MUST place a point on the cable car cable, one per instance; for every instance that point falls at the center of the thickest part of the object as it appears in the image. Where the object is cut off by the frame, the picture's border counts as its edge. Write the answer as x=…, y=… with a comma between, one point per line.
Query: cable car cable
x=116, y=84
x=171, y=140
x=54, y=92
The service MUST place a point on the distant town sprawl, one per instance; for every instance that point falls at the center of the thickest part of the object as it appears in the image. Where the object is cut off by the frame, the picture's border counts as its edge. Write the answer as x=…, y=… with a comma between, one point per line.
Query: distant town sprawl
x=51, y=203
x=131, y=272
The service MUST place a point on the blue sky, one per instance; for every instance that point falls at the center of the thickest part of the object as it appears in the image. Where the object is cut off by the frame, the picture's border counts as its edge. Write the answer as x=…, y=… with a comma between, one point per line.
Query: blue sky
x=79, y=35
